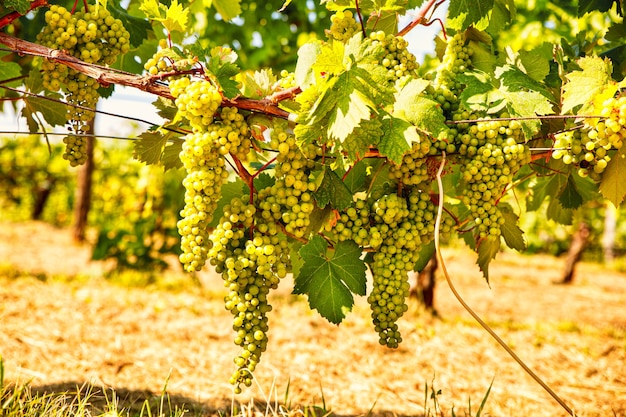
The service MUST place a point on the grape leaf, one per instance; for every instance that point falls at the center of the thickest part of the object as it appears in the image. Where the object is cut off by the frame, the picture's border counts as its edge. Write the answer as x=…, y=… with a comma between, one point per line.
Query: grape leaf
x=151, y=8
x=512, y=234
x=20, y=6
x=332, y=190
x=613, y=186
x=9, y=70
x=582, y=86
x=487, y=250
x=165, y=108
x=307, y=56
x=228, y=9
x=525, y=97
x=503, y=13
x=366, y=134
x=535, y=62
x=588, y=6
x=426, y=253
x=149, y=147
x=355, y=179
x=569, y=197
x=397, y=138
x=330, y=277
x=352, y=107
x=465, y=13
x=558, y=213
x=423, y=112
x=170, y=157
x=176, y=17
x=53, y=112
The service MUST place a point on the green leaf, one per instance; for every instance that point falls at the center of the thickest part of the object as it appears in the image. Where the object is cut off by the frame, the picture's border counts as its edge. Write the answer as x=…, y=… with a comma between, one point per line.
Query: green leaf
x=558, y=213
x=512, y=234
x=149, y=147
x=9, y=70
x=152, y=9
x=465, y=13
x=352, y=107
x=53, y=112
x=503, y=13
x=613, y=185
x=332, y=190
x=487, y=250
x=422, y=111
x=356, y=177
x=20, y=6
x=525, y=97
x=543, y=188
x=366, y=134
x=582, y=86
x=307, y=56
x=228, y=9
x=570, y=198
x=536, y=62
x=588, y=6
x=426, y=253
x=329, y=279
x=165, y=108
x=399, y=134
x=171, y=155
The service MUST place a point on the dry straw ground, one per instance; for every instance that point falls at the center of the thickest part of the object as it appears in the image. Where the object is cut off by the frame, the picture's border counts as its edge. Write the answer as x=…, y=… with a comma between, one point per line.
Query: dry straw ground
x=62, y=333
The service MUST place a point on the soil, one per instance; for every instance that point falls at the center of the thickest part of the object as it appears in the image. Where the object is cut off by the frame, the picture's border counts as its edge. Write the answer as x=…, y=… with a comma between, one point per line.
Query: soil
x=63, y=325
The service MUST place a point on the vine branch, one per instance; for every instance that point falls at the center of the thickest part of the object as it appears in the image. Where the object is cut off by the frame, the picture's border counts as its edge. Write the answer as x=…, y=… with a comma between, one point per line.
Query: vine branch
x=107, y=76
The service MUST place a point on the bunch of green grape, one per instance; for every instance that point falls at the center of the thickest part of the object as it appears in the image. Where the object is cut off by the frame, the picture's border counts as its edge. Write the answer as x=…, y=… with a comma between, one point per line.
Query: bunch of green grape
x=397, y=59
x=252, y=256
x=290, y=199
x=590, y=148
x=343, y=26
x=495, y=157
x=197, y=101
x=414, y=169
x=406, y=225
x=206, y=173
x=93, y=36
x=231, y=133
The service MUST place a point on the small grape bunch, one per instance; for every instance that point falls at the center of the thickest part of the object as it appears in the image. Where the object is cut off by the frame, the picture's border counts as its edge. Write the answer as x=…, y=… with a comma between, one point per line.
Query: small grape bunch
x=343, y=26
x=397, y=59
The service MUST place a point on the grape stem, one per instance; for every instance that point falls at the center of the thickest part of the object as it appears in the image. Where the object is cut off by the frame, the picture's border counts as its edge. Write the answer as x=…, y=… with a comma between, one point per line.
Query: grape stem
x=8, y=18
x=476, y=317
x=420, y=18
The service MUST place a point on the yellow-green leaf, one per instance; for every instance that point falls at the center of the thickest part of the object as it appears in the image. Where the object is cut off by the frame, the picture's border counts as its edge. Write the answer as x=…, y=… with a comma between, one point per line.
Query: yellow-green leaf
x=613, y=186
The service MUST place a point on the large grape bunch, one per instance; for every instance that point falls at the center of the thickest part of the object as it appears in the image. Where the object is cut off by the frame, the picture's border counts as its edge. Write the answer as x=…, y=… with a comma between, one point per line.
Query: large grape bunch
x=93, y=36
x=252, y=256
x=214, y=134
x=590, y=148
x=289, y=201
x=394, y=228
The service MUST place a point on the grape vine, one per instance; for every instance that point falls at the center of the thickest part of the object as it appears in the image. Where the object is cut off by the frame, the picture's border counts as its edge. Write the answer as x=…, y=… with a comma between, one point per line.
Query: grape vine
x=329, y=169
